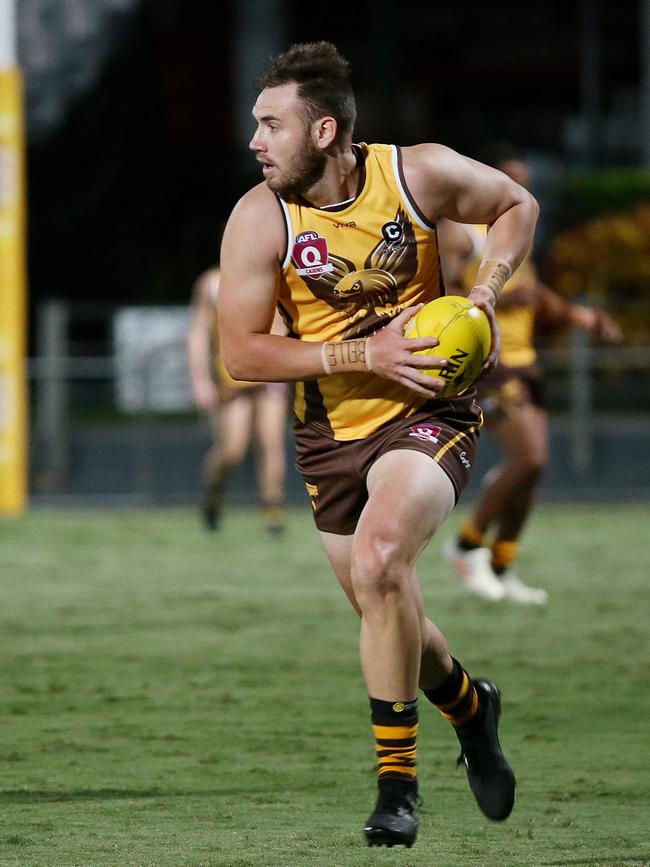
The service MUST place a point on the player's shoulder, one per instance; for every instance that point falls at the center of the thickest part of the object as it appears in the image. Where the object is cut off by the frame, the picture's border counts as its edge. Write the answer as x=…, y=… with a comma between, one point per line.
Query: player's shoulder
x=431, y=157
x=258, y=215
x=258, y=202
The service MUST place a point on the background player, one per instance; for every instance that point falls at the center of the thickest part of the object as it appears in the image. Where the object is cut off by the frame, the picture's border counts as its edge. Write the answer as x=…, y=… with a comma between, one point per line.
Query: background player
x=342, y=238
x=511, y=397
x=239, y=413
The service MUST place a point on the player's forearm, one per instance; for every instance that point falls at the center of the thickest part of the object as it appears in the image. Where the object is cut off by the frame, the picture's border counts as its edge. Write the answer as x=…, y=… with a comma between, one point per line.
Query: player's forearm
x=509, y=240
x=272, y=358
x=521, y=296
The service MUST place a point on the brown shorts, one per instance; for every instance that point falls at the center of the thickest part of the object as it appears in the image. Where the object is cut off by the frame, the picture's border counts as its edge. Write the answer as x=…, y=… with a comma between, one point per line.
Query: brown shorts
x=335, y=472
x=506, y=389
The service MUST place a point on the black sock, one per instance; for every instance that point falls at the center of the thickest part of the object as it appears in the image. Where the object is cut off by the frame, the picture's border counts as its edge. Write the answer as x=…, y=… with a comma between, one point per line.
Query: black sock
x=457, y=699
x=395, y=726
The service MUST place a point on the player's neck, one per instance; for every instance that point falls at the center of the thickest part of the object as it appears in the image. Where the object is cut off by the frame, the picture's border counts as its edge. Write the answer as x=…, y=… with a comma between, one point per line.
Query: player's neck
x=338, y=183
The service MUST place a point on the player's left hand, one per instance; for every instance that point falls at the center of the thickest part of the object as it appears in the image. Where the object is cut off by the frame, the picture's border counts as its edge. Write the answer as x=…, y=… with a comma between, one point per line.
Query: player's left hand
x=483, y=298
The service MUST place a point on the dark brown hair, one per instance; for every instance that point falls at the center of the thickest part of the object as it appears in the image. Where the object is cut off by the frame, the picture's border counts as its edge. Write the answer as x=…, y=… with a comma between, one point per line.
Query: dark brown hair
x=323, y=79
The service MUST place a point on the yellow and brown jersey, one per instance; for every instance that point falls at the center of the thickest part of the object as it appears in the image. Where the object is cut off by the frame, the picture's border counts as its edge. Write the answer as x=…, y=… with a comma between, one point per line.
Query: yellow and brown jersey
x=348, y=270
x=516, y=321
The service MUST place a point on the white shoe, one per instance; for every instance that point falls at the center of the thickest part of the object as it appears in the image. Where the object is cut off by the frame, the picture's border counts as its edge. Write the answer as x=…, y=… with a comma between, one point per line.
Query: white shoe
x=474, y=570
x=516, y=591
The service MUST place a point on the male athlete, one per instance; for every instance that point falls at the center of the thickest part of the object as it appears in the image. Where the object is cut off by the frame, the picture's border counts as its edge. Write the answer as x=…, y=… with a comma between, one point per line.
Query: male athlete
x=511, y=397
x=239, y=412
x=342, y=238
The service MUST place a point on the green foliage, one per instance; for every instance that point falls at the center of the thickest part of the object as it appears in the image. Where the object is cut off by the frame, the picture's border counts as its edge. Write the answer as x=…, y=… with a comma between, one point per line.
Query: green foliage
x=584, y=195
x=179, y=699
x=608, y=260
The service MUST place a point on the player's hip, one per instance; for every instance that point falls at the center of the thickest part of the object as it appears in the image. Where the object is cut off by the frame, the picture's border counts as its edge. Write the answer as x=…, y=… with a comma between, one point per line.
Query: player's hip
x=335, y=471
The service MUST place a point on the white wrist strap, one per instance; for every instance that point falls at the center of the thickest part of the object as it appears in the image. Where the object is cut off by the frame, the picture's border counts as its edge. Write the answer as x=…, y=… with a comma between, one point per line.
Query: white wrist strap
x=323, y=357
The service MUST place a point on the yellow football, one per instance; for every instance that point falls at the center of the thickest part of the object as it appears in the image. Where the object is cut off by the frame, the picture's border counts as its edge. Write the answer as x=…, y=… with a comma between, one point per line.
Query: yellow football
x=465, y=337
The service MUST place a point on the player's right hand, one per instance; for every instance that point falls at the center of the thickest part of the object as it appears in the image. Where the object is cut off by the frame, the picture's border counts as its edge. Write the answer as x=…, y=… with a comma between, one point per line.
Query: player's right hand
x=392, y=356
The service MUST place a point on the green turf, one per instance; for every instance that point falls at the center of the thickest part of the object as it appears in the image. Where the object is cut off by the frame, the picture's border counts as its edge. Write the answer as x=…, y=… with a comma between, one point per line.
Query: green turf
x=174, y=698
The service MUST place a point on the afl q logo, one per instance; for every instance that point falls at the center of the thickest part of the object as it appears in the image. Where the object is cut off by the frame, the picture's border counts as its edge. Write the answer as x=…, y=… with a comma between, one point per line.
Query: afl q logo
x=309, y=255
x=392, y=232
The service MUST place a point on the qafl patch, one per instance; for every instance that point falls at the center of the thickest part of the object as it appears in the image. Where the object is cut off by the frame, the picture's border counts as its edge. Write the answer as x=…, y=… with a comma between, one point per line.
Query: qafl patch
x=309, y=255
x=425, y=432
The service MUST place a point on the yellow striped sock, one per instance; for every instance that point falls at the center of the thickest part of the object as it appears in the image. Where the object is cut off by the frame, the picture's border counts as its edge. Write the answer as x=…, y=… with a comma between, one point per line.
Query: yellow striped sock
x=470, y=535
x=464, y=707
x=396, y=750
x=504, y=554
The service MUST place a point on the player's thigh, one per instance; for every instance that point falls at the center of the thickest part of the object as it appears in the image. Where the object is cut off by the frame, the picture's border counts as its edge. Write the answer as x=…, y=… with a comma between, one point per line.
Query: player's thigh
x=235, y=425
x=339, y=553
x=409, y=497
x=271, y=418
x=523, y=434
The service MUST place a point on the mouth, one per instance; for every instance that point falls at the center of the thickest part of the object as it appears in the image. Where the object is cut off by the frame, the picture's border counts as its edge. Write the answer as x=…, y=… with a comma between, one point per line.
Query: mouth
x=267, y=167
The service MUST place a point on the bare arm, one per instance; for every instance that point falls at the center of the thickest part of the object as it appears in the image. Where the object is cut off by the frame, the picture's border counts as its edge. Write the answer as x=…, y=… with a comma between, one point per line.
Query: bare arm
x=556, y=311
x=250, y=268
x=200, y=341
x=456, y=247
x=447, y=184
x=247, y=297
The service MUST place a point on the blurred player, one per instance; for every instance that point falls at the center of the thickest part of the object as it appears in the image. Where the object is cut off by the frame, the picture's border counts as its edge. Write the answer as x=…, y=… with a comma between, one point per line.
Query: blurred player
x=341, y=237
x=512, y=401
x=238, y=411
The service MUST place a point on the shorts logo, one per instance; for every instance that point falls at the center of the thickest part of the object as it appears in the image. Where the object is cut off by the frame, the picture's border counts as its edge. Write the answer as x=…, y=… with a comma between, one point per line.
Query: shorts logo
x=425, y=432
x=464, y=460
x=312, y=490
x=309, y=255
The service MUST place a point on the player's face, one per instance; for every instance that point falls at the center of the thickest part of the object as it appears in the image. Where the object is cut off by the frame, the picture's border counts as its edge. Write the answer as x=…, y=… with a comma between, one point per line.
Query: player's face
x=291, y=161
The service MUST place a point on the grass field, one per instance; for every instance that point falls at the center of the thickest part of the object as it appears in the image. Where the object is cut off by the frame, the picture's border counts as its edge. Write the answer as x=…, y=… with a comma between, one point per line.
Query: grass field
x=171, y=698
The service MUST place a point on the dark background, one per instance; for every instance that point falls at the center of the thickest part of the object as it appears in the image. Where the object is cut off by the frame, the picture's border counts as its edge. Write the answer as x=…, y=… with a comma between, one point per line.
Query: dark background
x=127, y=195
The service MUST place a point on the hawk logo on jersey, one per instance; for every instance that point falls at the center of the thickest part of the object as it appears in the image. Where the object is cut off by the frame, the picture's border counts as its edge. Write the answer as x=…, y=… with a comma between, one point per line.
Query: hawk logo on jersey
x=426, y=432
x=309, y=255
x=368, y=295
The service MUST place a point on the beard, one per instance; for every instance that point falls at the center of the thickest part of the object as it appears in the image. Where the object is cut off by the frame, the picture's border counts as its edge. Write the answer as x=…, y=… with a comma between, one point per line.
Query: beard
x=306, y=170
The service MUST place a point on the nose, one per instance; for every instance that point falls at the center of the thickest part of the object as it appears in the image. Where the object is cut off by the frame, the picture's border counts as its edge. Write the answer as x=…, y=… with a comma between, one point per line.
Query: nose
x=256, y=144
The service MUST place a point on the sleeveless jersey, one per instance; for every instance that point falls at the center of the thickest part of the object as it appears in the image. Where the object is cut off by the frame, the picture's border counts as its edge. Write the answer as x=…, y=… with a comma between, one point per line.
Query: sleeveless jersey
x=348, y=270
x=517, y=322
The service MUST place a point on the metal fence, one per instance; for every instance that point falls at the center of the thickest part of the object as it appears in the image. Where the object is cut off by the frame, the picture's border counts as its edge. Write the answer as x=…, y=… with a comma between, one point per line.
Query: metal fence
x=88, y=447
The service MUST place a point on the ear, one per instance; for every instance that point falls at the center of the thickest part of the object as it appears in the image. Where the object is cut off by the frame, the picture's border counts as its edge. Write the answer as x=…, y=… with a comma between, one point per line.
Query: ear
x=324, y=131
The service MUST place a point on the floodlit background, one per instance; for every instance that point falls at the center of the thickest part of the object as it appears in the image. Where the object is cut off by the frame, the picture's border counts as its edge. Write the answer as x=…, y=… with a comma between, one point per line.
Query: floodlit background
x=138, y=118
x=176, y=698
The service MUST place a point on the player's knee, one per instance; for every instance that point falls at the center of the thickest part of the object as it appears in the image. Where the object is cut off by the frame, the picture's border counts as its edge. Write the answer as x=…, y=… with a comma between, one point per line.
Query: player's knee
x=378, y=568
x=233, y=454
x=525, y=469
x=533, y=467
